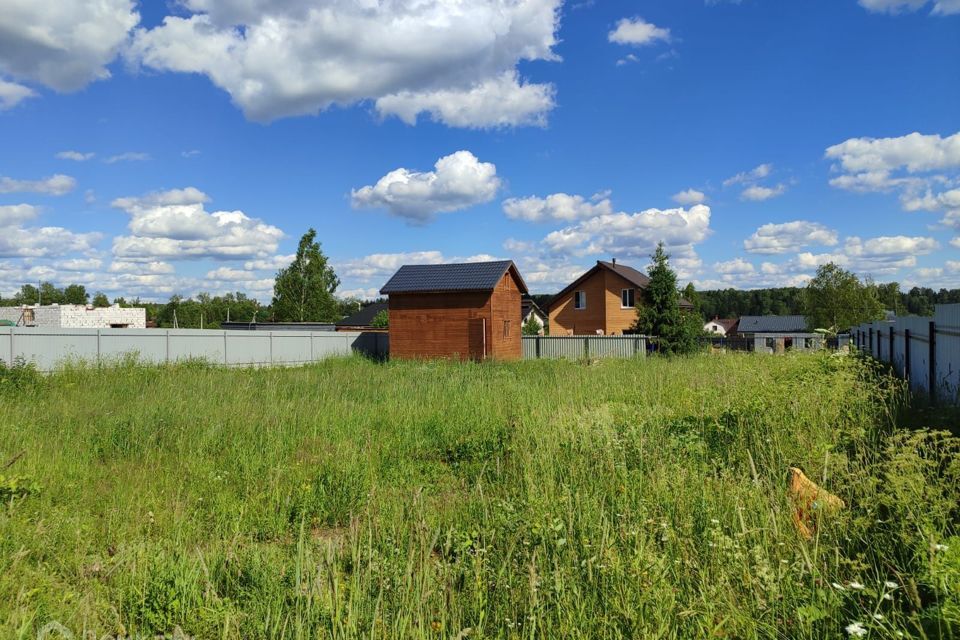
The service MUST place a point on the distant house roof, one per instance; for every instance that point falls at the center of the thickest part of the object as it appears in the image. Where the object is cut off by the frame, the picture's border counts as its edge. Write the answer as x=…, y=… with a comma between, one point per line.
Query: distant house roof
x=727, y=323
x=364, y=317
x=527, y=305
x=278, y=326
x=438, y=278
x=773, y=324
x=629, y=274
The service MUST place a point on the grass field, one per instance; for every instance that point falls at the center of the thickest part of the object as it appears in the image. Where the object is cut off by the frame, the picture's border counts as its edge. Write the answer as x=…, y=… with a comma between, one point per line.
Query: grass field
x=622, y=499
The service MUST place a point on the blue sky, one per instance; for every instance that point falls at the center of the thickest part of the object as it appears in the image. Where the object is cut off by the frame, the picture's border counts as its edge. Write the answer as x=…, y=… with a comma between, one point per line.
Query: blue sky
x=156, y=148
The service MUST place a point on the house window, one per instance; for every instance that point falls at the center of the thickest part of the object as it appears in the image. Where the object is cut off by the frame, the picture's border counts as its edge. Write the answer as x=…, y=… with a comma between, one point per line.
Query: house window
x=628, y=299
x=580, y=300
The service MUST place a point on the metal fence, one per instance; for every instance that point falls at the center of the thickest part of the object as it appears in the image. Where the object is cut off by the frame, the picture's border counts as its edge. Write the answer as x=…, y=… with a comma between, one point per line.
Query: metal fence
x=578, y=347
x=924, y=350
x=47, y=347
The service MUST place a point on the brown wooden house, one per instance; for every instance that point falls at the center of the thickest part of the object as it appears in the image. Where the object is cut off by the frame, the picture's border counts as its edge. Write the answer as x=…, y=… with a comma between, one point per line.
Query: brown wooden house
x=466, y=311
x=602, y=301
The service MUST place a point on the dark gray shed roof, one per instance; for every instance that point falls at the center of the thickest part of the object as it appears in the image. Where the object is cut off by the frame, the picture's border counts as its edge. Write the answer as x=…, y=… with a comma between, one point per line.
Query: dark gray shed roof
x=364, y=317
x=436, y=278
x=772, y=324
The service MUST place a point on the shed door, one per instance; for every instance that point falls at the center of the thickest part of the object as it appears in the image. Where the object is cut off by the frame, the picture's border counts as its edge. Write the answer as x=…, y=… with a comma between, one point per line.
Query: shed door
x=477, y=328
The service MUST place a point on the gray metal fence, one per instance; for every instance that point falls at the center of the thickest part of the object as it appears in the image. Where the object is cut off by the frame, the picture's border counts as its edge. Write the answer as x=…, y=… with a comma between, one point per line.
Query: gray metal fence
x=924, y=350
x=577, y=347
x=48, y=347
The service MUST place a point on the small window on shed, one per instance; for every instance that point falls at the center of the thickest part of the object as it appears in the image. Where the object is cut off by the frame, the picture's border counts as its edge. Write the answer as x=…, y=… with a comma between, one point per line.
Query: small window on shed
x=627, y=299
x=506, y=328
x=580, y=300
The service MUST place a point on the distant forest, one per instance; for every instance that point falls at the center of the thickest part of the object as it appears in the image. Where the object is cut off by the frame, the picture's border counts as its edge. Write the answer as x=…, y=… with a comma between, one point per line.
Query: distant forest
x=733, y=303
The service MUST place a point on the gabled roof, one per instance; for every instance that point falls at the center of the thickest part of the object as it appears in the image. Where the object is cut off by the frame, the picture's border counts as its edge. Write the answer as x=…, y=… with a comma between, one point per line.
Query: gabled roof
x=527, y=305
x=631, y=275
x=773, y=324
x=364, y=317
x=726, y=323
x=437, y=278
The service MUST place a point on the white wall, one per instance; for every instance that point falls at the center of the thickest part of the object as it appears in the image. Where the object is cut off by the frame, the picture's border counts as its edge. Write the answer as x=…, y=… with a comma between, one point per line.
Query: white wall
x=76, y=316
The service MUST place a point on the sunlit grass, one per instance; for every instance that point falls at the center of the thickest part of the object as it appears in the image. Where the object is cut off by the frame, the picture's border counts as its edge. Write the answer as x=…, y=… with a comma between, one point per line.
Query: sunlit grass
x=618, y=499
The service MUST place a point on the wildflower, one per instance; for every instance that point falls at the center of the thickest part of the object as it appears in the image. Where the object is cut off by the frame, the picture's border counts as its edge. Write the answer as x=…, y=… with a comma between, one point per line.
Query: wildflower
x=837, y=586
x=878, y=616
x=856, y=630
x=887, y=596
x=890, y=585
x=855, y=585
x=714, y=521
x=940, y=547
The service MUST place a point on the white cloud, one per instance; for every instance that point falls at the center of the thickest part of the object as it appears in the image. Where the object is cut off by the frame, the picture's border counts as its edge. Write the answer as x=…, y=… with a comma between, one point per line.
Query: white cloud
x=156, y=267
x=44, y=242
x=277, y=58
x=65, y=44
x=360, y=293
x=737, y=266
x=955, y=242
x=638, y=32
x=380, y=266
x=128, y=156
x=56, y=185
x=12, y=94
x=940, y=7
x=79, y=264
x=759, y=193
x=459, y=181
x=788, y=237
x=16, y=214
x=503, y=101
x=77, y=156
x=558, y=206
x=914, y=152
x=231, y=275
x=175, y=225
x=633, y=235
x=273, y=263
x=689, y=197
x=746, y=177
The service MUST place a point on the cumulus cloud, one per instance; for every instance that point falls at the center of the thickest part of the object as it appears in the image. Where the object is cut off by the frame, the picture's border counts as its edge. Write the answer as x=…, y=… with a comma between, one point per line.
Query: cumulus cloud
x=378, y=267
x=155, y=267
x=63, y=45
x=745, y=177
x=56, y=185
x=40, y=242
x=940, y=7
x=458, y=181
x=633, y=235
x=638, y=32
x=788, y=237
x=277, y=58
x=175, y=225
x=734, y=267
x=76, y=156
x=558, y=206
x=78, y=264
x=273, y=263
x=16, y=214
x=12, y=94
x=758, y=193
x=689, y=197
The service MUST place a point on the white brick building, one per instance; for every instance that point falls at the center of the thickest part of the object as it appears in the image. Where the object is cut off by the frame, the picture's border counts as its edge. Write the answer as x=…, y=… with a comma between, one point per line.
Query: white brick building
x=76, y=316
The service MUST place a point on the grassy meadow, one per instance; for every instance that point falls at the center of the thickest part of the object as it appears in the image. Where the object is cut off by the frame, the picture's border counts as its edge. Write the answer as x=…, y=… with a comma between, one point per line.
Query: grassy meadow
x=352, y=499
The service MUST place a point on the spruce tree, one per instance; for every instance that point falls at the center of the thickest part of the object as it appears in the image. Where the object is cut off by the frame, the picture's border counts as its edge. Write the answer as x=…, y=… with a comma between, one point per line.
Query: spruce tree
x=659, y=314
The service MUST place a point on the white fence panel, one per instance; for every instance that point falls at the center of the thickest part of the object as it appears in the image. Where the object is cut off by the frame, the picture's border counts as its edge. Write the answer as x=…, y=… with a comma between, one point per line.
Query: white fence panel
x=577, y=347
x=947, y=319
x=47, y=348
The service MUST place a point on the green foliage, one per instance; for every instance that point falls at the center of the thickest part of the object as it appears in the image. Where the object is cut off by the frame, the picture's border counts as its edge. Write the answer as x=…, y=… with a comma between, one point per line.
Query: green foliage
x=19, y=377
x=75, y=294
x=531, y=327
x=836, y=299
x=659, y=314
x=381, y=320
x=303, y=292
x=100, y=299
x=536, y=499
x=213, y=310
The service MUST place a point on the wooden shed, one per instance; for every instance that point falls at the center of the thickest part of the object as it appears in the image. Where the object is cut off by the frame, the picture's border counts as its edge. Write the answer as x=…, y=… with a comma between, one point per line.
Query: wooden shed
x=466, y=311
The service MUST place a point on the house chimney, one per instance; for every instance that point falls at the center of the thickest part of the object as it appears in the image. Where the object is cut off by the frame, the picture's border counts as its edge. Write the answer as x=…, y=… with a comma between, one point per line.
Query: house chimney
x=614, y=261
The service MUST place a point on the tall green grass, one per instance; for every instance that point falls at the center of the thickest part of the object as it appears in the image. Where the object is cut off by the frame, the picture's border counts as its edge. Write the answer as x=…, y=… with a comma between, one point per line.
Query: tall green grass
x=617, y=499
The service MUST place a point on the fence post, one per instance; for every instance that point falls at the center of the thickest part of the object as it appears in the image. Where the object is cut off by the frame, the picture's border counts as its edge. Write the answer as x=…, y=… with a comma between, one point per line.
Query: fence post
x=871, y=341
x=99, y=359
x=932, y=343
x=270, y=333
x=906, y=354
x=168, y=346
x=586, y=348
x=537, y=347
x=225, y=361
x=891, y=344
